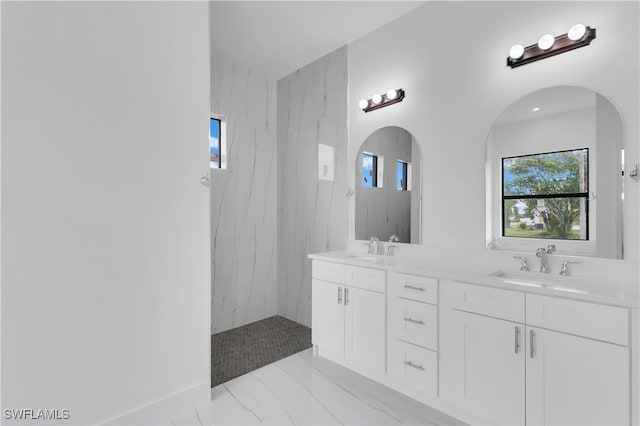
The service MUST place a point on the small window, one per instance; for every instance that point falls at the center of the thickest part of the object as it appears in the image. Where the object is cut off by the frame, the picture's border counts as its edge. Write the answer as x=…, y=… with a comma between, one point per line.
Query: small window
x=372, y=170
x=546, y=195
x=403, y=176
x=369, y=170
x=217, y=142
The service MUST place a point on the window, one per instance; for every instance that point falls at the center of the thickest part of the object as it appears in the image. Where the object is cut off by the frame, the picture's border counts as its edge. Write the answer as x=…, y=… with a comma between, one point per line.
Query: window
x=369, y=170
x=545, y=195
x=217, y=142
x=403, y=176
x=372, y=170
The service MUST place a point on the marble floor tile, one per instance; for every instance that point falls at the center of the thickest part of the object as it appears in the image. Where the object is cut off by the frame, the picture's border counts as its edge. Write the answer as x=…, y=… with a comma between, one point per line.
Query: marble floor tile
x=307, y=390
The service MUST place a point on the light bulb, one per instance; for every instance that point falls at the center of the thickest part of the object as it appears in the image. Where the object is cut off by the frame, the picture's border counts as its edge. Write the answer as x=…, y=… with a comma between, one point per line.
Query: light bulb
x=376, y=99
x=546, y=41
x=392, y=94
x=363, y=103
x=577, y=32
x=516, y=51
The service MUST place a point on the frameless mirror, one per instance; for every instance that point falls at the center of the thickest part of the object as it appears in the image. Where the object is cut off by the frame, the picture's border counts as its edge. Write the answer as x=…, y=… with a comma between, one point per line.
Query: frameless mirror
x=554, y=174
x=388, y=181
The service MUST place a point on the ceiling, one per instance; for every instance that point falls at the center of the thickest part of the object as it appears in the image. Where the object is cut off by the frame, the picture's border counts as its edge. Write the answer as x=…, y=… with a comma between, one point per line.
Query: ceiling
x=275, y=38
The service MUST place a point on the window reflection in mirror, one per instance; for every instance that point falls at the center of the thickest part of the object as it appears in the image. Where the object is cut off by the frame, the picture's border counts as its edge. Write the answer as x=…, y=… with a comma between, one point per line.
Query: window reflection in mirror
x=403, y=176
x=372, y=170
x=545, y=195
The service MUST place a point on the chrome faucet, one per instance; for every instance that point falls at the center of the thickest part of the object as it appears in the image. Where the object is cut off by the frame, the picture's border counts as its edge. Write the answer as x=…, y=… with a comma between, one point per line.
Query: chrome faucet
x=544, y=260
x=524, y=266
x=374, y=245
x=564, y=270
x=369, y=245
x=392, y=239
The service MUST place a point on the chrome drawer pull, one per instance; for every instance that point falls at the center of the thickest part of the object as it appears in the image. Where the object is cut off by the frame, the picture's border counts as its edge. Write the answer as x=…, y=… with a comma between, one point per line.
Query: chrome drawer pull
x=409, y=319
x=410, y=364
x=517, y=339
x=339, y=295
x=413, y=287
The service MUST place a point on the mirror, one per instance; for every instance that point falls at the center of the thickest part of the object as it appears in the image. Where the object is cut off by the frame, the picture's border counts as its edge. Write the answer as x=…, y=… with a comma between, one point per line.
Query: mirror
x=554, y=174
x=388, y=181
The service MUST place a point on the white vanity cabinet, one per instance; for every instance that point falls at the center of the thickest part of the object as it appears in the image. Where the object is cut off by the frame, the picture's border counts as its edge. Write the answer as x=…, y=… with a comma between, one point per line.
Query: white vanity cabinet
x=578, y=362
x=566, y=361
x=412, y=327
x=482, y=351
x=349, y=315
x=485, y=353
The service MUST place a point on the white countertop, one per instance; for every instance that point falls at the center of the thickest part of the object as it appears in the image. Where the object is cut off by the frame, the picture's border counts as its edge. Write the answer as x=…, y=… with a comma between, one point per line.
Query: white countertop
x=612, y=292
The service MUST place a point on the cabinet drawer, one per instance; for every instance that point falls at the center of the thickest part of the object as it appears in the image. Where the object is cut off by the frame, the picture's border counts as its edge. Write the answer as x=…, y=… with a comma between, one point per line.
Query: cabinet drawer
x=413, y=366
x=327, y=271
x=413, y=287
x=493, y=302
x=586, y=319
x=413, y=322
x=365, y=278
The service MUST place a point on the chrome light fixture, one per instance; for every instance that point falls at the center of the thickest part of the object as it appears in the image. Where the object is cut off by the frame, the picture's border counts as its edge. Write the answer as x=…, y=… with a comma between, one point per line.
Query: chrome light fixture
x=377, y=101
x=548, y=45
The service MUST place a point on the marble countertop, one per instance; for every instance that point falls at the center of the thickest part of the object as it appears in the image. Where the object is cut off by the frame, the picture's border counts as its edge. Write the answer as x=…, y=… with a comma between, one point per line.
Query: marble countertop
x=602, y=290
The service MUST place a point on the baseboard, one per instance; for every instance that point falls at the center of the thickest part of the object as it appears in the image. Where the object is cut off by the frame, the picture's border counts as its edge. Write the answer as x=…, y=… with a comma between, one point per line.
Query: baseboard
x=165, y=409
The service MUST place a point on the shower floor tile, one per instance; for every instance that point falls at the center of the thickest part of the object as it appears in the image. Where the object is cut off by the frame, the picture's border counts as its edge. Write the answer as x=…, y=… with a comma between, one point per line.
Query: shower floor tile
x=244, y=349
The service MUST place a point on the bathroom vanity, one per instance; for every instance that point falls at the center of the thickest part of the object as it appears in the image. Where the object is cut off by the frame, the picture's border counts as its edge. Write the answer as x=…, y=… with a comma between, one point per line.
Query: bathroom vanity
x=486, y=346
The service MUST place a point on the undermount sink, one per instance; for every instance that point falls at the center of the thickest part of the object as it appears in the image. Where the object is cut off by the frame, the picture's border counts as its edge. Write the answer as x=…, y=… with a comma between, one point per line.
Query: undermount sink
x=531, y=279
x=366, y=257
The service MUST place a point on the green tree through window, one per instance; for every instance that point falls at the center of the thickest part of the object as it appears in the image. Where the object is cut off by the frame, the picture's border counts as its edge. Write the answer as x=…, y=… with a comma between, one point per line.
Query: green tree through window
x=545, y=195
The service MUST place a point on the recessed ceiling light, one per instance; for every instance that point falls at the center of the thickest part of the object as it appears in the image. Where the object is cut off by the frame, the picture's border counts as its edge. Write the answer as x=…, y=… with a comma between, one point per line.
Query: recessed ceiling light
x=536, y=109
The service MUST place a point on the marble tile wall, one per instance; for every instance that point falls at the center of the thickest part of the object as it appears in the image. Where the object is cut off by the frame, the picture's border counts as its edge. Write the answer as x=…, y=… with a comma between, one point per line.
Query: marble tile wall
x=312, y=110
x=243, y=200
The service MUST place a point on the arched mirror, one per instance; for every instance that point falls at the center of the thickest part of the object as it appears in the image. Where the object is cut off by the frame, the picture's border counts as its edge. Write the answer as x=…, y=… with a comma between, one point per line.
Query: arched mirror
x=554, y=174
x=388, y=181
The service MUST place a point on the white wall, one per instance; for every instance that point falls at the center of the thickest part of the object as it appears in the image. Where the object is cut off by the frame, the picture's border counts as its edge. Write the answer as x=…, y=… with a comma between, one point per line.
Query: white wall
x=450, y=58
x=312, y=110
x=105, y=276
x=384, y=211
x=243, y=199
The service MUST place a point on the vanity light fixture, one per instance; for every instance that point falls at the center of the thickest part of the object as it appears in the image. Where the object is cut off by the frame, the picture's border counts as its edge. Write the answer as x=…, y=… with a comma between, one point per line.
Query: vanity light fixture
x=546, y=42
x=635, y=174
x=379, y=101
x=548, y=45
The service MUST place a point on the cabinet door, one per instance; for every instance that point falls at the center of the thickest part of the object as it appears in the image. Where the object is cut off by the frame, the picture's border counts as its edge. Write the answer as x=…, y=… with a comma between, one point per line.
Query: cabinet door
x=487, y=367
x=365, y=328
x=573, y=380
x=329, y=326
